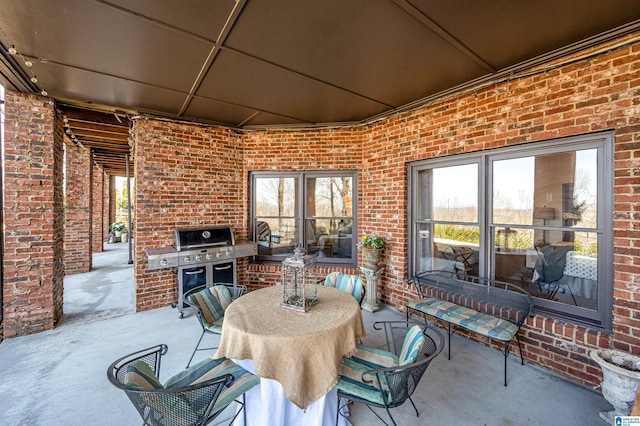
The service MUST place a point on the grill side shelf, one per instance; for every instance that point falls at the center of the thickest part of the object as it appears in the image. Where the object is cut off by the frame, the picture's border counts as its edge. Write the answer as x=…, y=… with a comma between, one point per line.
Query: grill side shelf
x=162, y=257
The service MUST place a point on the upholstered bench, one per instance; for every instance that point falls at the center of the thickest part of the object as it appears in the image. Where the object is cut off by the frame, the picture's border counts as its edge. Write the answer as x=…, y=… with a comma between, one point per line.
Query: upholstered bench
x=493, y=309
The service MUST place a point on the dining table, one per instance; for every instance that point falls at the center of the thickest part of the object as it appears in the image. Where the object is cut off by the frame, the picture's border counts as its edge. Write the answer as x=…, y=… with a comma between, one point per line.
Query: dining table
x=297, y=355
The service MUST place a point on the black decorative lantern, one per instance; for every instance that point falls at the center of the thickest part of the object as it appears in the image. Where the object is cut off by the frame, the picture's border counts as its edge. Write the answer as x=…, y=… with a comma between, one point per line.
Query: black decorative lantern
x=299, y=281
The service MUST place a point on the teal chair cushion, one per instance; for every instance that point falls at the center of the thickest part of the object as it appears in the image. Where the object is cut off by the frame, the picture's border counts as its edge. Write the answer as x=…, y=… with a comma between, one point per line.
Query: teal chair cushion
x=350, y=381
x=212, y=302
x=209, y=368
x=366, y=358
x=412, y=345
x=351, y=284
x=140, y=376
x=374, y=357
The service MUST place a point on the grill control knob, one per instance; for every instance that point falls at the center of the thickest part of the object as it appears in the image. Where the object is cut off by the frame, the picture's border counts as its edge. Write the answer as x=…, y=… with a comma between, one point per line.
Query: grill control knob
x=228, y=253
x=164, y=262
x=218, y=254
x=198, y=258
x=209, y=256
x=187, y=259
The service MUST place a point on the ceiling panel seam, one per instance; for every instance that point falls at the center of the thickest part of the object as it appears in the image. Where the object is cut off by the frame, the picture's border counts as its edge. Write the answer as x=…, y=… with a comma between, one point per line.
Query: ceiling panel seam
x=305, y=76
x=155, y=21
x=443, y=34
x=224, y=33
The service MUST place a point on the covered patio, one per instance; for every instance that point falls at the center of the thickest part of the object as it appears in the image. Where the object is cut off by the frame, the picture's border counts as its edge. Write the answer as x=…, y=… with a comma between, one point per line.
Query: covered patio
x=421, y=117
x=59, y=376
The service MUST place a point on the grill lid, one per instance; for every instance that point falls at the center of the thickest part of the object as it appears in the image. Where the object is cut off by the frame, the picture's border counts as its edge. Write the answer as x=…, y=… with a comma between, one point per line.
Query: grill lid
x=213, y=236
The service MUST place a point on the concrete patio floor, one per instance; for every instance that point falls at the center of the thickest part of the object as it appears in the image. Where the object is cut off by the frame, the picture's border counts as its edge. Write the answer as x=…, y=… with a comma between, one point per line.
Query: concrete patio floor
x=58, y=377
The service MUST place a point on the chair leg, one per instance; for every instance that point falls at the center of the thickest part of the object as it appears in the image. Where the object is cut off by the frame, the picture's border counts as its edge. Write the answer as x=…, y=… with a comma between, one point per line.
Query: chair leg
x=195, y=349
x=505, y=352
x=390, y=416
x=381, y=419
x=244, y=408
x=572, y=296
x=449, y=340
x=414, y=407
x=520, y=349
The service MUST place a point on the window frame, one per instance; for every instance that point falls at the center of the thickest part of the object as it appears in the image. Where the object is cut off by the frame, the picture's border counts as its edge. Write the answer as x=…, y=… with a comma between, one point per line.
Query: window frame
x=301, y=216
x=603, y=142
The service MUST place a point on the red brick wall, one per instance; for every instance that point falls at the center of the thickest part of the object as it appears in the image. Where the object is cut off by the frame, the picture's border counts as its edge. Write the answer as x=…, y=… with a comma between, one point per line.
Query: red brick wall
x=602, y=92
x=333, y=149
x=33, y=215
x=98, y=234
x=186, y=175
x=78, y=216
x=587, y=96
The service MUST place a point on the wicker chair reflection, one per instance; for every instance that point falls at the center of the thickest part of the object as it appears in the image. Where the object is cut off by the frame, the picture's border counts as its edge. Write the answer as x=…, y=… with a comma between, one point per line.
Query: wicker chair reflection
x=386, y=379
x=210, y=304
x=195, y=396
x=351, y=284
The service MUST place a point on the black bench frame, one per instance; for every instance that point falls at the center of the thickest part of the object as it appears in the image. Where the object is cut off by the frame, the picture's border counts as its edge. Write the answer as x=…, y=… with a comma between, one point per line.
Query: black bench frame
x=499, y=299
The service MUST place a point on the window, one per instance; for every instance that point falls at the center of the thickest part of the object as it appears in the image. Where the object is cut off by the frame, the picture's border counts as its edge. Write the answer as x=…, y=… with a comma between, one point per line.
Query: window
x=312, y=208
x=537, y=215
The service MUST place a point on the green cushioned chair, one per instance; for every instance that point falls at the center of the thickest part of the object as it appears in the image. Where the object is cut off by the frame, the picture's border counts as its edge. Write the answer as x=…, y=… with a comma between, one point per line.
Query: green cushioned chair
x=351, y=284
x=195, y=396
x=210, y=304
x=386, y=379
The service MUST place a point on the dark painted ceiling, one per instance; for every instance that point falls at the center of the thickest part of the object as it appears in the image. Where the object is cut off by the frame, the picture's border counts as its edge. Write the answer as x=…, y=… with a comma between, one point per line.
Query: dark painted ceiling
x=257, y=63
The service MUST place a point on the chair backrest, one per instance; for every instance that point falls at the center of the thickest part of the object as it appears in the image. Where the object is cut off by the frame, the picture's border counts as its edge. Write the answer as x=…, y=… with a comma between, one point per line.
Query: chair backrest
x=136, y=375
x=420, y=344
x=412, y=345
x=351, y=284
x=211, y=302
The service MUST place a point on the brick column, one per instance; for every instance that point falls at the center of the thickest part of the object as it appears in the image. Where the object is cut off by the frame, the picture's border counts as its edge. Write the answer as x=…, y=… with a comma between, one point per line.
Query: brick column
x=33, y=215
x=77, y=243
x=112, y=200
x=98, y=230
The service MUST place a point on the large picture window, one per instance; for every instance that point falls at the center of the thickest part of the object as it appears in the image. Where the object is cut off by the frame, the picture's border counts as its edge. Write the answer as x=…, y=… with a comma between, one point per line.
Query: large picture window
x=314, y=209
x=537, y=215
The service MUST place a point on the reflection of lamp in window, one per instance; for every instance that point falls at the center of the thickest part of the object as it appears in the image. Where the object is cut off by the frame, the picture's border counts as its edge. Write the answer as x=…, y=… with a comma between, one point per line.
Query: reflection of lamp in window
x=545, y=213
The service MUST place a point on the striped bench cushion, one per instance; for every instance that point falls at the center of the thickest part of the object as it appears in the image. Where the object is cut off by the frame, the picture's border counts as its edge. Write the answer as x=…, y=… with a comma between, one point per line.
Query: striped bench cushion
x=209, y=368
x=487, y=325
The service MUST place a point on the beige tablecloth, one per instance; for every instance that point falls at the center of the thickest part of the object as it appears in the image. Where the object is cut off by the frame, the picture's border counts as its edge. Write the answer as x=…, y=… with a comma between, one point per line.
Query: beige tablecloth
x=301, y=350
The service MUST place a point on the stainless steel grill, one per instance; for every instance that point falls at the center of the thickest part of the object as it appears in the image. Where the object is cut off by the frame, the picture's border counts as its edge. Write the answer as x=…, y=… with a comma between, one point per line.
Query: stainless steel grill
x=202, y=256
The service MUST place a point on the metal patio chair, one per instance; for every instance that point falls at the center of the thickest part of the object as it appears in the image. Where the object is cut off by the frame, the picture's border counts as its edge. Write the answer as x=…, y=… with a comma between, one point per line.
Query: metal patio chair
x=387, y=379
x=195, y=396
x=210, y=304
